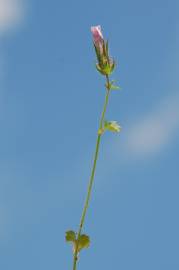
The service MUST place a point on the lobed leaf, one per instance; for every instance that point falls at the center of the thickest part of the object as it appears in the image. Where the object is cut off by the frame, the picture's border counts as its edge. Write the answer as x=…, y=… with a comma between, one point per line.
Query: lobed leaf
x=70, y=236
x=112, y=126
x=84, y=242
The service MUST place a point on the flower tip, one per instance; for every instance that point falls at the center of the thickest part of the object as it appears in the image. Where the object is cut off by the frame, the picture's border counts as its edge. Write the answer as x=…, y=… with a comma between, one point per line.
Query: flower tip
x=97, y=35
x=96, y=29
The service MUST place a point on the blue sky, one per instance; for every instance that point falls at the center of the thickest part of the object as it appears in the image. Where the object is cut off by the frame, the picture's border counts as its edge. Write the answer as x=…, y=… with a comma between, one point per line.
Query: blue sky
x=50, y=102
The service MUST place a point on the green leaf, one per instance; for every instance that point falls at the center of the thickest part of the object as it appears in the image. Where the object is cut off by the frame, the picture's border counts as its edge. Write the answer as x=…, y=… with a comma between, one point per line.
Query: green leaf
x=70, y=236
x=113, y=65
x=112, y=126
x=84, y=242
x=112, y=86
x=115, y=87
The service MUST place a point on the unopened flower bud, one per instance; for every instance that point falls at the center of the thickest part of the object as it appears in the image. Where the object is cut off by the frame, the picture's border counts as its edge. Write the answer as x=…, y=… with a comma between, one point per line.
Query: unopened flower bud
x=97, y=37
x=105, y=64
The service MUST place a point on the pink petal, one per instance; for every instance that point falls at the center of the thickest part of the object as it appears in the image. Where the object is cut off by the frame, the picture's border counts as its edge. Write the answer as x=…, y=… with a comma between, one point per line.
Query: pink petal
x=97, y=35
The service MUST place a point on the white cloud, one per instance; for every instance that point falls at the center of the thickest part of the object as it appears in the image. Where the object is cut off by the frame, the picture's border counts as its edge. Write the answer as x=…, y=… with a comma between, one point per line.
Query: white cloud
x=11, y=14
x=154, y=130
x=11, y=17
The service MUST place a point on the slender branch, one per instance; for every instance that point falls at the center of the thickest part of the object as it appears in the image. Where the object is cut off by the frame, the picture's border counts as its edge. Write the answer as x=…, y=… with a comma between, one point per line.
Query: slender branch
x=75, y=258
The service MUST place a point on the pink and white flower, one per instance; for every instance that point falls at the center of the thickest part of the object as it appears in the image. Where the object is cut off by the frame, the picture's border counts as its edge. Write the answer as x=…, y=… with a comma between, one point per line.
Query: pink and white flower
x=105, y=64
x=97, y=36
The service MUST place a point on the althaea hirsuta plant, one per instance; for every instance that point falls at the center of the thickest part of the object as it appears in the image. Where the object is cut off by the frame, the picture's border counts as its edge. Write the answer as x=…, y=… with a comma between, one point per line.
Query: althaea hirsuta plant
x=105, y=65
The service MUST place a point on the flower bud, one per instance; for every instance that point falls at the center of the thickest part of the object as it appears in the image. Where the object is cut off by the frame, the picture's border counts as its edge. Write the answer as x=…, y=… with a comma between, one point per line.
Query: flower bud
x=97, y=37
x=105, y=64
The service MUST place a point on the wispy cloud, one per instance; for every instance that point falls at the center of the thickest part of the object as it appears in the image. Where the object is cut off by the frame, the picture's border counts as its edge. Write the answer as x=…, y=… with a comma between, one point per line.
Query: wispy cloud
x=11, y=14
x=155, y=129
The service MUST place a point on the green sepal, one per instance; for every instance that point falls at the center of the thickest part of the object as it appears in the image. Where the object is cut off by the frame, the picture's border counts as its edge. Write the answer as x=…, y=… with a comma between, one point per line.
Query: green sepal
x=112, y=126
x=107, y=47
x=113, y=65
x=105, y=65
x=70, y=236
x=100, y=69
x=97, y=53
x=104, y=49
x=105, y=69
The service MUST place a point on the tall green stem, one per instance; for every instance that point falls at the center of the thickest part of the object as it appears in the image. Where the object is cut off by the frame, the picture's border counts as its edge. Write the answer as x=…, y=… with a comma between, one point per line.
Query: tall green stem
x=75, y=258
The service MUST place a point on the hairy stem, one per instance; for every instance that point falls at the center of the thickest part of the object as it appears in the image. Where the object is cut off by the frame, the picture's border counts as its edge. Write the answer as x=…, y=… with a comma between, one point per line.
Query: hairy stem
x=75, y=257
